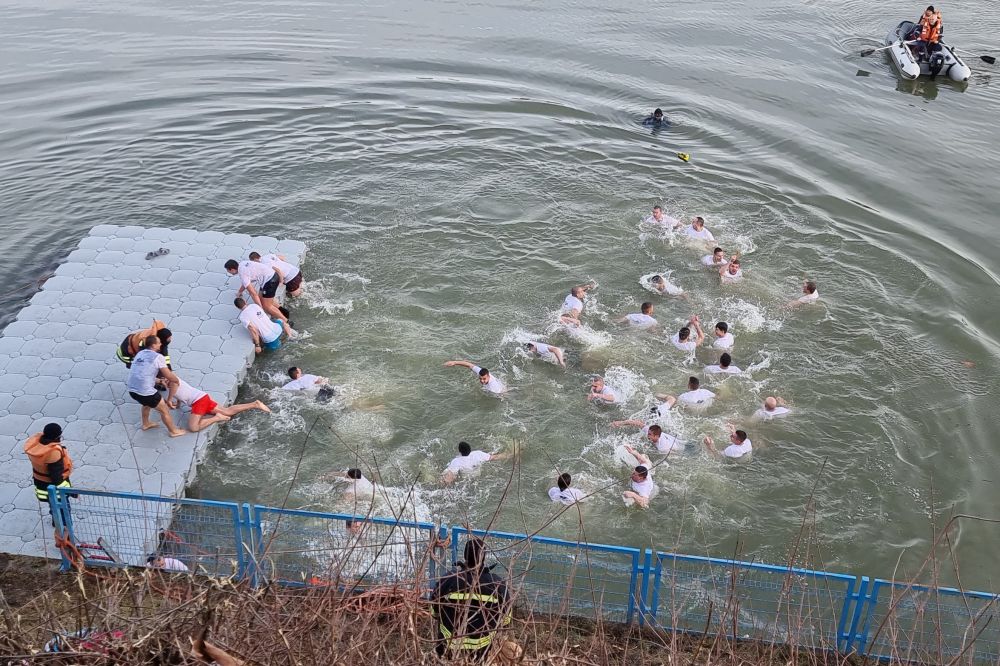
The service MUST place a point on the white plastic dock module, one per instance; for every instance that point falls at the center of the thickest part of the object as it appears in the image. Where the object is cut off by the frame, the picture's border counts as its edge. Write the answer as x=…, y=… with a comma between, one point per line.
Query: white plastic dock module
x=58, y=364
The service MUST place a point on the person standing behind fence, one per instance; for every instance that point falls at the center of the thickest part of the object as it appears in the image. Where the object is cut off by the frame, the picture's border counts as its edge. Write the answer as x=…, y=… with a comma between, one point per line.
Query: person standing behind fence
x=51, y=464
x=470, y=605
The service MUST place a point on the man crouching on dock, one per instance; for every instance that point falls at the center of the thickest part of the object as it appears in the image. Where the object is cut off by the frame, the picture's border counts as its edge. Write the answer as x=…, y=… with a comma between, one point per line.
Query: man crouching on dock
x=141, y=384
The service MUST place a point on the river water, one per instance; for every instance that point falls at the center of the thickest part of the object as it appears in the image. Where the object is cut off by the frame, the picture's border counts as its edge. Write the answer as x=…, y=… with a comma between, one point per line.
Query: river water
x=455, y=167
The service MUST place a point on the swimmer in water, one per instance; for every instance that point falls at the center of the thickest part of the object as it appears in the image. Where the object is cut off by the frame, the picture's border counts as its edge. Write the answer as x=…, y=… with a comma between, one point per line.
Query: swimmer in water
x=695, y=396
x=732, y=272
x=357, y=484
x=468, y=460
x=572, y=306
x=739, y=444
x=601, y=392
x=725, y=366
x=723, y=338
x=809, y=295
x=487, y=381
x=664, y=443
x=655, y=119
x=715, y=260
x=697, y=230
x=641, y=478
x=660, y=284
x=643, y=319
x=564, y=493
x=546, y=352
x=658, y=218
x=682, y=339
x=301, y=382
x=774, y=406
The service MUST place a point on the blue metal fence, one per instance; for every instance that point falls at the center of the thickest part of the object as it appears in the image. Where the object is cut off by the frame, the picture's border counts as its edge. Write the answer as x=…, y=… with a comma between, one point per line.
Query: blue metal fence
x=743, y=600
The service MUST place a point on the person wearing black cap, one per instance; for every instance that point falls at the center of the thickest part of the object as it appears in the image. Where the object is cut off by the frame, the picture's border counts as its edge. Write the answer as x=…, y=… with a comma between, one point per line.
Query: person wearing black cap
x=51, y=464
x=471, y=605
x=657, y=119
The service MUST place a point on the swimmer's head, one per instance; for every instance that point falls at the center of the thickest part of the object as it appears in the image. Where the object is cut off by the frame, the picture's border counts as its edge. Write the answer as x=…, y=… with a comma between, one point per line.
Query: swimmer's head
x=255, y=256
x=721, y=329
x=725, y=360
x=232, y=266
x=693, y=383
x=354, y=473
x=658, y=114
x=654, y=433
x=564, y=480
x=656, y=279
x=684, y=334
x=640, y=473
x=718, y=254
x=809, y=287
x=294, y=372
x=464, y=448
x=353, y=525
x=738, y=437
x=164, y=335
x=152, y=342
x=597, y=383
x=475, y=553
x=770, y=403
x=698, y=222
x=734, y=266
x=484, y=376
x=239, y=303
x=578, y=292
x=647, y=308
x=657, y=213
x=530, y=346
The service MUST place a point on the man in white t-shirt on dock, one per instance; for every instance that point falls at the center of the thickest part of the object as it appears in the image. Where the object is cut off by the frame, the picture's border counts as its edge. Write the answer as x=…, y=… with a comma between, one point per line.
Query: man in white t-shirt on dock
x=641, y=479
x=204, y=410
x=291, y=275
x=723, y=338
x=265, y=331
x=715, y=260
x=261, y=282
x=642, y=319
x=487, y=381
x=572, y=307
x=809, y=295
x=683, y=338
x=468, y=460
x=739, y=444
x=564, y=493
x=309, y=383
x=697, y=230
x=664, y=443
x=724, y=367
x=695, y=396
x=601, y=392
x=545, y=351
x=774, y=406
x=147, y=366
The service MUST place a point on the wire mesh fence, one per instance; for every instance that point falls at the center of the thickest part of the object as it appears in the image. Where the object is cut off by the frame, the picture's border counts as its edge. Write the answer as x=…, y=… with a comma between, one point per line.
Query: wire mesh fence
x=741, y=600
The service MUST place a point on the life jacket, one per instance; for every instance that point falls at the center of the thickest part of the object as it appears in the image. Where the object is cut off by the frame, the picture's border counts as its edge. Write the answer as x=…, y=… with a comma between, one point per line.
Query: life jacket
x=41, y=455
x=136, y=342
x=931, y=32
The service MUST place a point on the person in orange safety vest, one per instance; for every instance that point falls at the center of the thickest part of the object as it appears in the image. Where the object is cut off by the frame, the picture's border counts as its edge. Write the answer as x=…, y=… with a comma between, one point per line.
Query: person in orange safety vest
x=930, y=28
x=51, y=464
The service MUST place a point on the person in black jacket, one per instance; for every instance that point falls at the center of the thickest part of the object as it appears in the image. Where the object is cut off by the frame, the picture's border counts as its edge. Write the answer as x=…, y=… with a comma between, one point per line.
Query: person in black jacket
x=470, y=605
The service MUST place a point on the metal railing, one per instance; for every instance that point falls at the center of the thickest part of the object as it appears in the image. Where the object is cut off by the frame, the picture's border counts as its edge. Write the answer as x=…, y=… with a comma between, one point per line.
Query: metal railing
x=742, y=600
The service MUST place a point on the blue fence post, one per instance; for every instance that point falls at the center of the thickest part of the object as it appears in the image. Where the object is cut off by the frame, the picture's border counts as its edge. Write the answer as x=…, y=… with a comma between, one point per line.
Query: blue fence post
x=63, y=530
x=258, y=545
x=244, y=533
x=843, y=638
x=870, y=599
x=455, y=531
x=862, y=609
x=640, y=579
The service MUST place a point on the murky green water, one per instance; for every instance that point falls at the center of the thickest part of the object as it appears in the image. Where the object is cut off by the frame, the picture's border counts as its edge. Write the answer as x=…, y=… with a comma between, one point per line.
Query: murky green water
x=456, y=167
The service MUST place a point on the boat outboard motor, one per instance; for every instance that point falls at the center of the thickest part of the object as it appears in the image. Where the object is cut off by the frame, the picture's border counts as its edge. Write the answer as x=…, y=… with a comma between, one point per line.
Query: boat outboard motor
x=936, y=63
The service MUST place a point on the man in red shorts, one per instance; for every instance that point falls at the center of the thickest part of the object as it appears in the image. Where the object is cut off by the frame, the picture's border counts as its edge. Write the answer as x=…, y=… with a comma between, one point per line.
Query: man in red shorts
x=204, y=410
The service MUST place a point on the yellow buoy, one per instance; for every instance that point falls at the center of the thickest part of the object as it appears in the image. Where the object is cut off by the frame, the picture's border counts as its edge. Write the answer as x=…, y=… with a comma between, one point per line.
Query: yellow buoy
x=684, y=157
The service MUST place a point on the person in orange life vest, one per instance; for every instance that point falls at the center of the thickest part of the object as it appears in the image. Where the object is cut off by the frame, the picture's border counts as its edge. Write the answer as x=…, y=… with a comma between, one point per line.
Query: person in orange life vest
x=931, y=28
x=51, y=464
x=135, y=342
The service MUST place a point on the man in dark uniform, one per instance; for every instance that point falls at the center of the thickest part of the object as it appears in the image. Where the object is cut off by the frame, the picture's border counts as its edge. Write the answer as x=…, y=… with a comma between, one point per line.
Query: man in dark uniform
x=470, y=605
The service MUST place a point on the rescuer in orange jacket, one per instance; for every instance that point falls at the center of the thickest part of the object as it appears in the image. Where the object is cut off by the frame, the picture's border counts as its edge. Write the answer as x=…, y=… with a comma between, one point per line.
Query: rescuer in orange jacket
x=51, y=464
x=135, y=342
x=931, y=27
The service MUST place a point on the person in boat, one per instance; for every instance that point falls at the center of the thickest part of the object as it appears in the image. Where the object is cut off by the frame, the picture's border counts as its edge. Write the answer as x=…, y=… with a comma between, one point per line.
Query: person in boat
x=656, y=119
x=929, y=39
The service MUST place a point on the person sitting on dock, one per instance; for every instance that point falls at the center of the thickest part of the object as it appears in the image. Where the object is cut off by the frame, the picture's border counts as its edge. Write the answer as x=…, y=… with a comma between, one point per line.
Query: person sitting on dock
x=205, y=411
x=291, y=275
x=134, y=342
x=51, y=464
x=266, y=332
x=141, y=384
x=301, y=382
x=261, y=282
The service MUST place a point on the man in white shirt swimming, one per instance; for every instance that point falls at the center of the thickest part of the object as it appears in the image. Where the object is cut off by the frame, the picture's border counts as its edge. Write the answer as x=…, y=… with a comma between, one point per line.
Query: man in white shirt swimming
x=643, y=319
x=715, y=260
x=310, y=383
x=732, y=272
x=773, y=406
x=547, y=352
x=725, y=366
x=487, y=381
x=565, y=494
x=662, y=286
x=601, y=392
x=658, y=218
x=698, y=230
x=723, y=338
x=664, y=443
x=572, y=306
x=739, y=444
x=468, y=461
x=809, y=294
x=641, y=480
x=683, y=339
x=695, y=396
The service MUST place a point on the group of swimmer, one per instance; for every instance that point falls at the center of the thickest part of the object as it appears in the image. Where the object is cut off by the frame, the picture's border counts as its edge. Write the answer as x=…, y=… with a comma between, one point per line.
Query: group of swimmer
x=687, y=339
